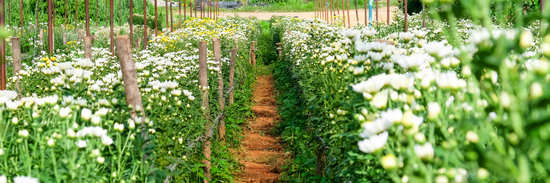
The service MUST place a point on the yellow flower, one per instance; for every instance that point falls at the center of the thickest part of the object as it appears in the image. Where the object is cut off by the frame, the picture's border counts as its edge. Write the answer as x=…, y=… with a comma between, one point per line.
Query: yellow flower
x=45, y=59
x=52, y=58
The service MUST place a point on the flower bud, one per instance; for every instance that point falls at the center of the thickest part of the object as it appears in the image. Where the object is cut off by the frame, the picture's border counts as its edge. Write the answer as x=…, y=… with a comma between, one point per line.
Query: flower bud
x=100, y=160
x=482, y=174
x=420, y=138
x=536, y=91
x=14, y=120
x=51, y=142
x=472, y=137
x=525, y=39
x=389, y=162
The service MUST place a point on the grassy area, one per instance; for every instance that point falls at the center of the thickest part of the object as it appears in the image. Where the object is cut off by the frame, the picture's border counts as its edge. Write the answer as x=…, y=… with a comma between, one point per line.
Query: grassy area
x=302, y=6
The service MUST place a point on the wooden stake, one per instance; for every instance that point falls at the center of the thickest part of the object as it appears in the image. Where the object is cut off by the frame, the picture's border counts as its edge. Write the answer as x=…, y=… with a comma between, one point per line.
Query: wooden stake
x=406, y=26
x=50, y=28
x=171, y=17
x=16, y=55
x=88, y=47
x=388, y=13
x=145, y=24
x=218, y=58
x=112, y=29
x=166, y=8
x=64, y=38
x=232, y=74
x=131, y=23
x=156, y=22
x=203, y=81
x=2, y=49
x=131, y=88
x=21, y=14
x=349, y=22
x=253, y=51
x=86, y=7
x=179, y=5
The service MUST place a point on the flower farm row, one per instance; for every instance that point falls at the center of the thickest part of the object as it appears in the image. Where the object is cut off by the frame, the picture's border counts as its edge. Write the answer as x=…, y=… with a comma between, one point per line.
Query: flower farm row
x=67, y=118
x=452, y=102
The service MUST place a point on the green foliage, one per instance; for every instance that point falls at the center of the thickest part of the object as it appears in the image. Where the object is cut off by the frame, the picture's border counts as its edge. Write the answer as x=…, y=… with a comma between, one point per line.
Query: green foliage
x=267, y=50
x=139, y=20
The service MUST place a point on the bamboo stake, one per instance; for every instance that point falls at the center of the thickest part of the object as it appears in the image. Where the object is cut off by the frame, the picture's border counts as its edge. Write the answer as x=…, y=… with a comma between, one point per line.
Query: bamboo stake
x=203, y=81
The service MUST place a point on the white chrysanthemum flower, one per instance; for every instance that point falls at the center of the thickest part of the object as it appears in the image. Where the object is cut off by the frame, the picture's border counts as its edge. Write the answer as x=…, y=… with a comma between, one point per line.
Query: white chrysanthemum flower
x=105, y=140
x=25, y=179
x=373, y=143
x=425, y=151
x=8, y=93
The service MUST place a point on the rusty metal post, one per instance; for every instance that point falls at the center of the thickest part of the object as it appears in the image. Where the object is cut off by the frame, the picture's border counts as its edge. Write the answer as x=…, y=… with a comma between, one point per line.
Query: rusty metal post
x=377, y=13
x=2, y=49
x=50, y=28
x=332, y=11
x=156, y=22
x=424, y=15
x=112, y=29
x=356, y=12
x=86, y=7
x=65, y=19
x=232, y=74
x=366, y=23
x=145, y=24
x=218, y=58
x=88, y=47
x=203, y=81
x=406, y=16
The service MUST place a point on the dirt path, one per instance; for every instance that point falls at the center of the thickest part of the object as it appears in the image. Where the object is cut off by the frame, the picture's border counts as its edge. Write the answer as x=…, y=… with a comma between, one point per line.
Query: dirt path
x=262, y=154
x=382, y=14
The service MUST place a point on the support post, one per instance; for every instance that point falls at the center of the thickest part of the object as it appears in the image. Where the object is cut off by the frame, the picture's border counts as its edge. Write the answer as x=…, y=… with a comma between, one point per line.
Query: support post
x=131, y=88
x=145, y=24
x=179, y=6
x=218, y=58
x=21, y=14
x=347, y=5
x=64, y=38
x=167, y=18
x=253, y=51
x=232, y=74
x=50, y=28
x=112, y=29
x=88, y=47
x=131, y=23
x=156, y=22
x=203, y=81
x=86, y=3
x=366, y=23
x=356, y=11
x=2, y=49
x=16, y=55
x=406, y=16
x=388, y=13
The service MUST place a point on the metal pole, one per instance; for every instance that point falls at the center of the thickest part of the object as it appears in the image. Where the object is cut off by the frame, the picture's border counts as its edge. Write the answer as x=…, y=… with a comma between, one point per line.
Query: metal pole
x=332, y=11
x=97, y=14
x=366, y=23
x=424, y=15
x=76, y=16
x=179, y=5
x=86, y=2
x=65, y=21
x=2, y=49
x=184, y=10
x=377, y=13
x=50, y=28
x=370, y=12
